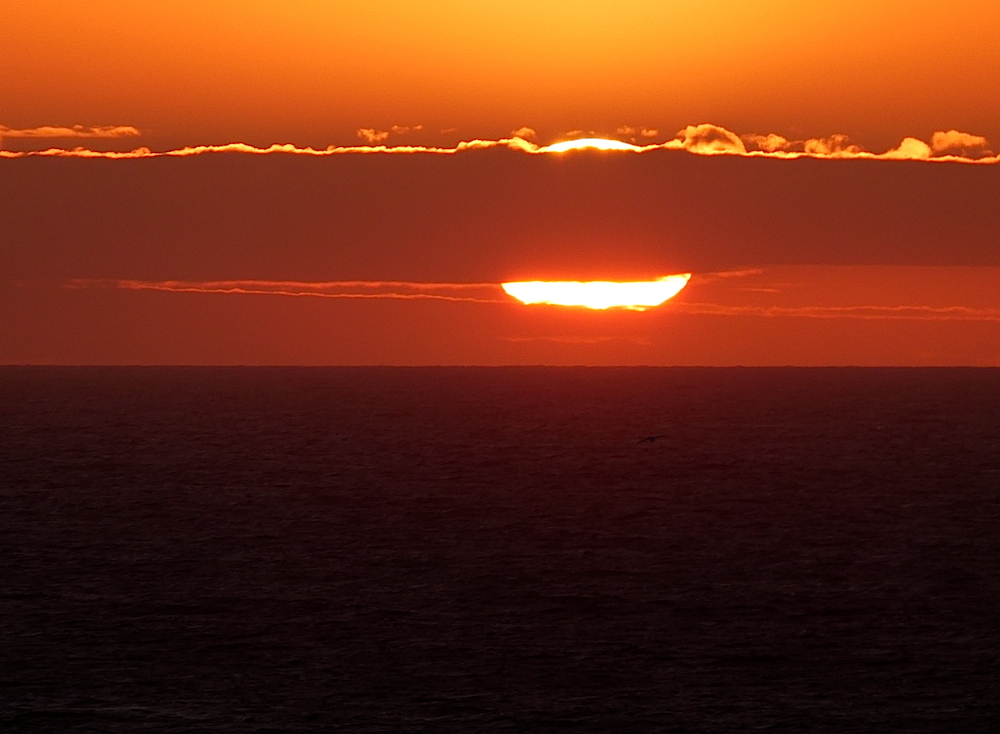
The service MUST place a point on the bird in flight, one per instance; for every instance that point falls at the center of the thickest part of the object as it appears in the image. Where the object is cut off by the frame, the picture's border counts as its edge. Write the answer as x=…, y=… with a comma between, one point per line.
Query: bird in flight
x=650, y=439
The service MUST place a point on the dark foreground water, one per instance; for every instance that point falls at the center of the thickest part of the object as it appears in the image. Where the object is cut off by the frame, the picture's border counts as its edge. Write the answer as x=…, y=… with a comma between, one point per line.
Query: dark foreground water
x=478, y=550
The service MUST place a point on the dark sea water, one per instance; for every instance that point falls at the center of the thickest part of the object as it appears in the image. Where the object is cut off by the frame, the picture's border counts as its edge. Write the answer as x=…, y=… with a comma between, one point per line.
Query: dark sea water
x=480, y=550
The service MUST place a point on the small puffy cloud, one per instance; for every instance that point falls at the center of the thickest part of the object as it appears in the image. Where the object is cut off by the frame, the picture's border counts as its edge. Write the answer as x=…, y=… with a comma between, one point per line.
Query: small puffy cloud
x=634, y=132
x=372, y=136
x=961, y=144
x=910, y=149
x=708, y=139
x=525, y=133
x=835, y=145
x=769, y=143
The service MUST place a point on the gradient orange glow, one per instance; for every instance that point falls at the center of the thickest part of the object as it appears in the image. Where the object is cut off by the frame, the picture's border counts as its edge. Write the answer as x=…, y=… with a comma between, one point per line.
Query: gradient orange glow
x=400, y=179
x=213, y=71
x=599, y=294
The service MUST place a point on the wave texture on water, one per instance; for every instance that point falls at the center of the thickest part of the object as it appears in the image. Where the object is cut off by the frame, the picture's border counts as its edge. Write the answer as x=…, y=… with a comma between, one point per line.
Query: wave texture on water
x=456, y=550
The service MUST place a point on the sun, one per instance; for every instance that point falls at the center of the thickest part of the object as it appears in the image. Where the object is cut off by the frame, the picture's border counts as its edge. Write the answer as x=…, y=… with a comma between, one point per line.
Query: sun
x=599, y=294
x=589, y=143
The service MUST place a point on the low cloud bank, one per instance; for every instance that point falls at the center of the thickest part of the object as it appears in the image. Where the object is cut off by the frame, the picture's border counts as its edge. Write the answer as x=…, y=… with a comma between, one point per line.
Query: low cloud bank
x=951, y=146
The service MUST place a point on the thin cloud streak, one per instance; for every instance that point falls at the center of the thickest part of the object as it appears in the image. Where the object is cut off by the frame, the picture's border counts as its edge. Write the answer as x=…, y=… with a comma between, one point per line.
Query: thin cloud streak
x=699, y=278
x=301, y=284
x=327, y=289
x=945, y=147
x=868, y=313
x=76, y=131
x=407, y=290
x=575, y=340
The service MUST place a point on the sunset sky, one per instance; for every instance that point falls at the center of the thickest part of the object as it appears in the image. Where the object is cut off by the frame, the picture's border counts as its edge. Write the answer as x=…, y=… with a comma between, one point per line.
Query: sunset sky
x=828, y=174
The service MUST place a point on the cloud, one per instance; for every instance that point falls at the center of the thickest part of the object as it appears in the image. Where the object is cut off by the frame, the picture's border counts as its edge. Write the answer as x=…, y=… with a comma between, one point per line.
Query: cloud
x=575, y=340
x=961, y=144
x=952, y=145
x=491, y=293
x=868, y=313
x=700, y=278
x=705, y=139
x=372, y=136
x=525, y=133
x=76, y=131
x=709, y=140
x=834, y=146
x=398, y=290
x=769, y=143
x=910, y=149
x=287, y=148
x=637, y=132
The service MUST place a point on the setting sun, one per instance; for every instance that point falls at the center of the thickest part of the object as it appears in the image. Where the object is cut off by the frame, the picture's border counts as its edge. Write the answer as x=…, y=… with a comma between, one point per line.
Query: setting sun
x=599, y=294
x=589, y=143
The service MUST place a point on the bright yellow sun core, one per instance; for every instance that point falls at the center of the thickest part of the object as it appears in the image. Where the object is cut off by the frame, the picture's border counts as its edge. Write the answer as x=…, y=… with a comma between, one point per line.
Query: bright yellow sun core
x=599, y=294
x=589, y=143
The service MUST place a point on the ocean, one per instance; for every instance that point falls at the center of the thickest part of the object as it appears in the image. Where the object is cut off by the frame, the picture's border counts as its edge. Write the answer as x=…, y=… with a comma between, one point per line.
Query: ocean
x=496, y=550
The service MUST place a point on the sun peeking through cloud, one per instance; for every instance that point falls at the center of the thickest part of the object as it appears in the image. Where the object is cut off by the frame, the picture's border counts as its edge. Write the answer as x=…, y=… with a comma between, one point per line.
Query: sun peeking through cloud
x=599, y=294
x=589, y=144
x=951, y=146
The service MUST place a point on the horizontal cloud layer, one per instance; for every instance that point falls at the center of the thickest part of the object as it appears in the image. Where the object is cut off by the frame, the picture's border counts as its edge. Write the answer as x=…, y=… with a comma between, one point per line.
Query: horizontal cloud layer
x=490, y=293
x=326, y=289
x=895, y=313
x=950, y=146
x=76, y=131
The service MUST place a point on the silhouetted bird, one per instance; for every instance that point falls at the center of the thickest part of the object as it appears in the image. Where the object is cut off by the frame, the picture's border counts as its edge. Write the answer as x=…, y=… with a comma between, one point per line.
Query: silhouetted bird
x=650, y=439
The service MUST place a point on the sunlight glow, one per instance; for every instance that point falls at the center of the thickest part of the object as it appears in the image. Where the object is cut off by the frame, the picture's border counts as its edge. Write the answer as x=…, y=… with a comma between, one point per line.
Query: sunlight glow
x=591, y=143
x=599, y=294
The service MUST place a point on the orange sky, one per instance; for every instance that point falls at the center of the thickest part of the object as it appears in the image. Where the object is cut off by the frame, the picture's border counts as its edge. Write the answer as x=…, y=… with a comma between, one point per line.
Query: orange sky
x=313, y=71
x=844, y=259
